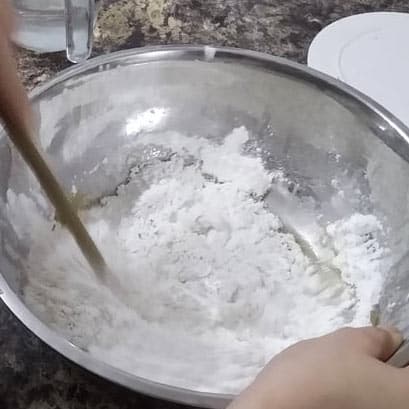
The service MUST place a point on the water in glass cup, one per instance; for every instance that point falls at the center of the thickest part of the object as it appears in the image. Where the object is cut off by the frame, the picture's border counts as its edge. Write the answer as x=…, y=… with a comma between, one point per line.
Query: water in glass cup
x=40, y=25
x=54, y=25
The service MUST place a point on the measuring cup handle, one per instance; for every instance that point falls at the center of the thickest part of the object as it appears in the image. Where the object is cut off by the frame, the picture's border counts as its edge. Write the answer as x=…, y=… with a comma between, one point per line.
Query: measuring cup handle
x=79, y=27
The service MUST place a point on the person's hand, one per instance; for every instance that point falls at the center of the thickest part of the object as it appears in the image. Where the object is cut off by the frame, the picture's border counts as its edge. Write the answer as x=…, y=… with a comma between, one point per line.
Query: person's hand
x=343, y=370
x=6, y=19
x=14, y=105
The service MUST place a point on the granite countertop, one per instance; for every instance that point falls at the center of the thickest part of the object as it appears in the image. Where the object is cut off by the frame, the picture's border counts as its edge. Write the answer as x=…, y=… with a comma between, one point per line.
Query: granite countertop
x=32, y=375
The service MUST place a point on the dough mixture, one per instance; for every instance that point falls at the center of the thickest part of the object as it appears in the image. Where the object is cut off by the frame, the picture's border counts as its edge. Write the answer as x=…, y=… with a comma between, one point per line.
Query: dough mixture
x=215, y=286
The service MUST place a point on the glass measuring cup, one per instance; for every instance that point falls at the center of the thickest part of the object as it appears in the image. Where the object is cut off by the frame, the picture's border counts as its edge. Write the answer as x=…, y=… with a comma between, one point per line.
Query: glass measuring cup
x=55, y=25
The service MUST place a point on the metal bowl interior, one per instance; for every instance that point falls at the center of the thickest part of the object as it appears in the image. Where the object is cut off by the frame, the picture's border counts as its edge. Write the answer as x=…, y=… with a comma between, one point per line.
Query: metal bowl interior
x=312, y=127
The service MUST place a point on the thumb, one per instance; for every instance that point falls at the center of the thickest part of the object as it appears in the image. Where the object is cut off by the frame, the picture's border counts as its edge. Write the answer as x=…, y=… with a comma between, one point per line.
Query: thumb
x=377, y=342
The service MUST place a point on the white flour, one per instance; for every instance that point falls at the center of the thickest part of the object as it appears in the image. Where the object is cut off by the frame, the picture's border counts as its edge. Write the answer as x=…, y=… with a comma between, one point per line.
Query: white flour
x=215, y=285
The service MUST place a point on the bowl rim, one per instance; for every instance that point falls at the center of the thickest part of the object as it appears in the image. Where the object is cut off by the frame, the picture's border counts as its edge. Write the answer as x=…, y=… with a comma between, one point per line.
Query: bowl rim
x=397, y=139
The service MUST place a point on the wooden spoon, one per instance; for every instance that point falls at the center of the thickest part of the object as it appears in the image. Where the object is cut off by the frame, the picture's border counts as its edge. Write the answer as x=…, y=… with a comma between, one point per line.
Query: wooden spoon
x=16, y=114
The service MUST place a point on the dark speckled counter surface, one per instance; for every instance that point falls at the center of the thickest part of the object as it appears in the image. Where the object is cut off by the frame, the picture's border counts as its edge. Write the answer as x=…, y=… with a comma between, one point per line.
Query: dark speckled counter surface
x=32, y=376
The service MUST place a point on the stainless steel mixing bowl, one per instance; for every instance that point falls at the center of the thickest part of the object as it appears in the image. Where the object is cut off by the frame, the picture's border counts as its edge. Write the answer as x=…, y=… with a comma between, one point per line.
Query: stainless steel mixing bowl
x=312, y=127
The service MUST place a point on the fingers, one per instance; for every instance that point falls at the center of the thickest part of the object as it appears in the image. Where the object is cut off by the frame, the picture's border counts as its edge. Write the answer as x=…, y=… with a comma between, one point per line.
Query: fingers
x=379, y=342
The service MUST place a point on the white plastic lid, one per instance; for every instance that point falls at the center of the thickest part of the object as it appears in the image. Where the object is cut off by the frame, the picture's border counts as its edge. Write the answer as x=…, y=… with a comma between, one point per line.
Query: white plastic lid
x=371, y=53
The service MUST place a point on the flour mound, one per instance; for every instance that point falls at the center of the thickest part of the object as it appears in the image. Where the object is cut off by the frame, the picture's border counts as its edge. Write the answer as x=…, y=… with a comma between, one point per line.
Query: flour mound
x=214, y=285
